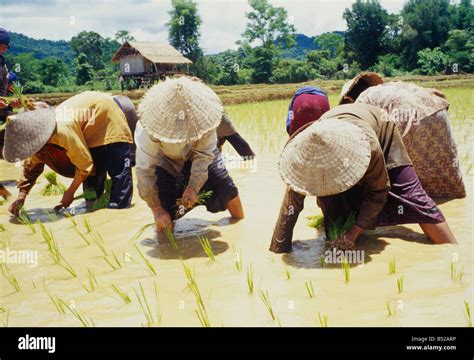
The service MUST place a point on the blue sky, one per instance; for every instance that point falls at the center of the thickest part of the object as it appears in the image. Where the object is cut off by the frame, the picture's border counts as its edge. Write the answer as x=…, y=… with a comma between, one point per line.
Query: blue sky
x=223, y=21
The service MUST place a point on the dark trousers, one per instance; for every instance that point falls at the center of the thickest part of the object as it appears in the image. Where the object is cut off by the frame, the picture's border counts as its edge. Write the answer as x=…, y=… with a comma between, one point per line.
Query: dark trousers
x=171, y=188
x=114, y=159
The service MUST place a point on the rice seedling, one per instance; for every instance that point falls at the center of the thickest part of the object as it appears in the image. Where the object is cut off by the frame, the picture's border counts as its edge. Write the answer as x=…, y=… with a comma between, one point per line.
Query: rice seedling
x=87, y=225
x=146, y=261
x=202, y=316
x=157, y=307
x=114, y=267
x=54, y=251
x=58, y=304
x=99, y=241
x=287, y=274
x=68, y=215
x=467, y=313
x=2, y=310
x=122, y=294
x=266, y=301
x=206, y=246
x=238, y=260
x=116, y=259
x=141, y=231
x=115, y=264
x=322, y=261
x=145, y=306
x=323, y=320
x=310, y=289
x=392, y=267
x=315, y=221
x=24, y=219
x=85, y=321
x=346, y=270
x=92, y=281
x=336, y=230
x=400, y=282
x=456, y=275
x=7, y=319
x=192, y=285
x=82, y=236
x=170, y=236
x=250, y=278
x=390, y=311
x=2, y=228
x=54, y=187
x=10, y=277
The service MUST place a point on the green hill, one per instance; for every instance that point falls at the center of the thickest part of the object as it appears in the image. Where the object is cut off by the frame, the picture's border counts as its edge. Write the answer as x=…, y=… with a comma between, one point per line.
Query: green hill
x=40, y=49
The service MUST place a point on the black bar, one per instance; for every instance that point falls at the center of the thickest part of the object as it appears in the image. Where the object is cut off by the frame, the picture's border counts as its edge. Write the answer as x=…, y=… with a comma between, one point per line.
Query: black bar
x=69, y=341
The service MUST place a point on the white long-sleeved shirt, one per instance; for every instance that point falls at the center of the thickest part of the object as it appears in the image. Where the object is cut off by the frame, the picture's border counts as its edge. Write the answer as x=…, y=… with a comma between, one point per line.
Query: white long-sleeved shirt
x=172, y=157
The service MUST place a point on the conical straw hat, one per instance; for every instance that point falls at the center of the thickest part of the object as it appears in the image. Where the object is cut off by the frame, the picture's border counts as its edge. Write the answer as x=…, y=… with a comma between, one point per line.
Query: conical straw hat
x=327, y=158
x=27, y=132
x=180, y=110
x=371, y=78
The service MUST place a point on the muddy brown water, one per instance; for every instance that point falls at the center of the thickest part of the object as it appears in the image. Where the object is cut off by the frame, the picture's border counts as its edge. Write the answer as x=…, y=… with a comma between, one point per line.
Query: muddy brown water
x=429, y=296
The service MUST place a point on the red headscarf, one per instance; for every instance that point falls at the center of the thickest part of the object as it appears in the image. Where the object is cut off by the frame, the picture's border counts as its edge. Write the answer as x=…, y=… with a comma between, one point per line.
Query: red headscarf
x=307, y=108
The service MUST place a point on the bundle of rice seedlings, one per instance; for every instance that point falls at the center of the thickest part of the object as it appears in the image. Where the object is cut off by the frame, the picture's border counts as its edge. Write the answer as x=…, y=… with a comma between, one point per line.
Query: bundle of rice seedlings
x=315, y=221
x=17, y=94
x=103, y=201
x=54, y=187
x=88, y=194
x=202, y=197
x=335, y=230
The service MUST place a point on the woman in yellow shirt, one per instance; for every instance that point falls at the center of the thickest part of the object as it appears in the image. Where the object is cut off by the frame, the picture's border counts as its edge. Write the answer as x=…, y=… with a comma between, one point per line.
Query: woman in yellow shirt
x=92, y=129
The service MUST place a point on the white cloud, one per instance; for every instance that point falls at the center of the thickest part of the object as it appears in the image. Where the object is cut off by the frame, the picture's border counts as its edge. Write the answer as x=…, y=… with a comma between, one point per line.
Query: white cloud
x=223, y=21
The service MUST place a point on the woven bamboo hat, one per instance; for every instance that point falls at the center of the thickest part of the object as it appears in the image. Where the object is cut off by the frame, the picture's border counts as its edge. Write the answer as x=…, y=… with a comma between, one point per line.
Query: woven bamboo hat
x=327, y=158
x=27, y=132
x=369, y=78
x=180, y=110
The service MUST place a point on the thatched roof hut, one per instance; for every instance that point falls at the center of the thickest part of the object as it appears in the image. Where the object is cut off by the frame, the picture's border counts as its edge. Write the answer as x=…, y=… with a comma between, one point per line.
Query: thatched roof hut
x=148, y=58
